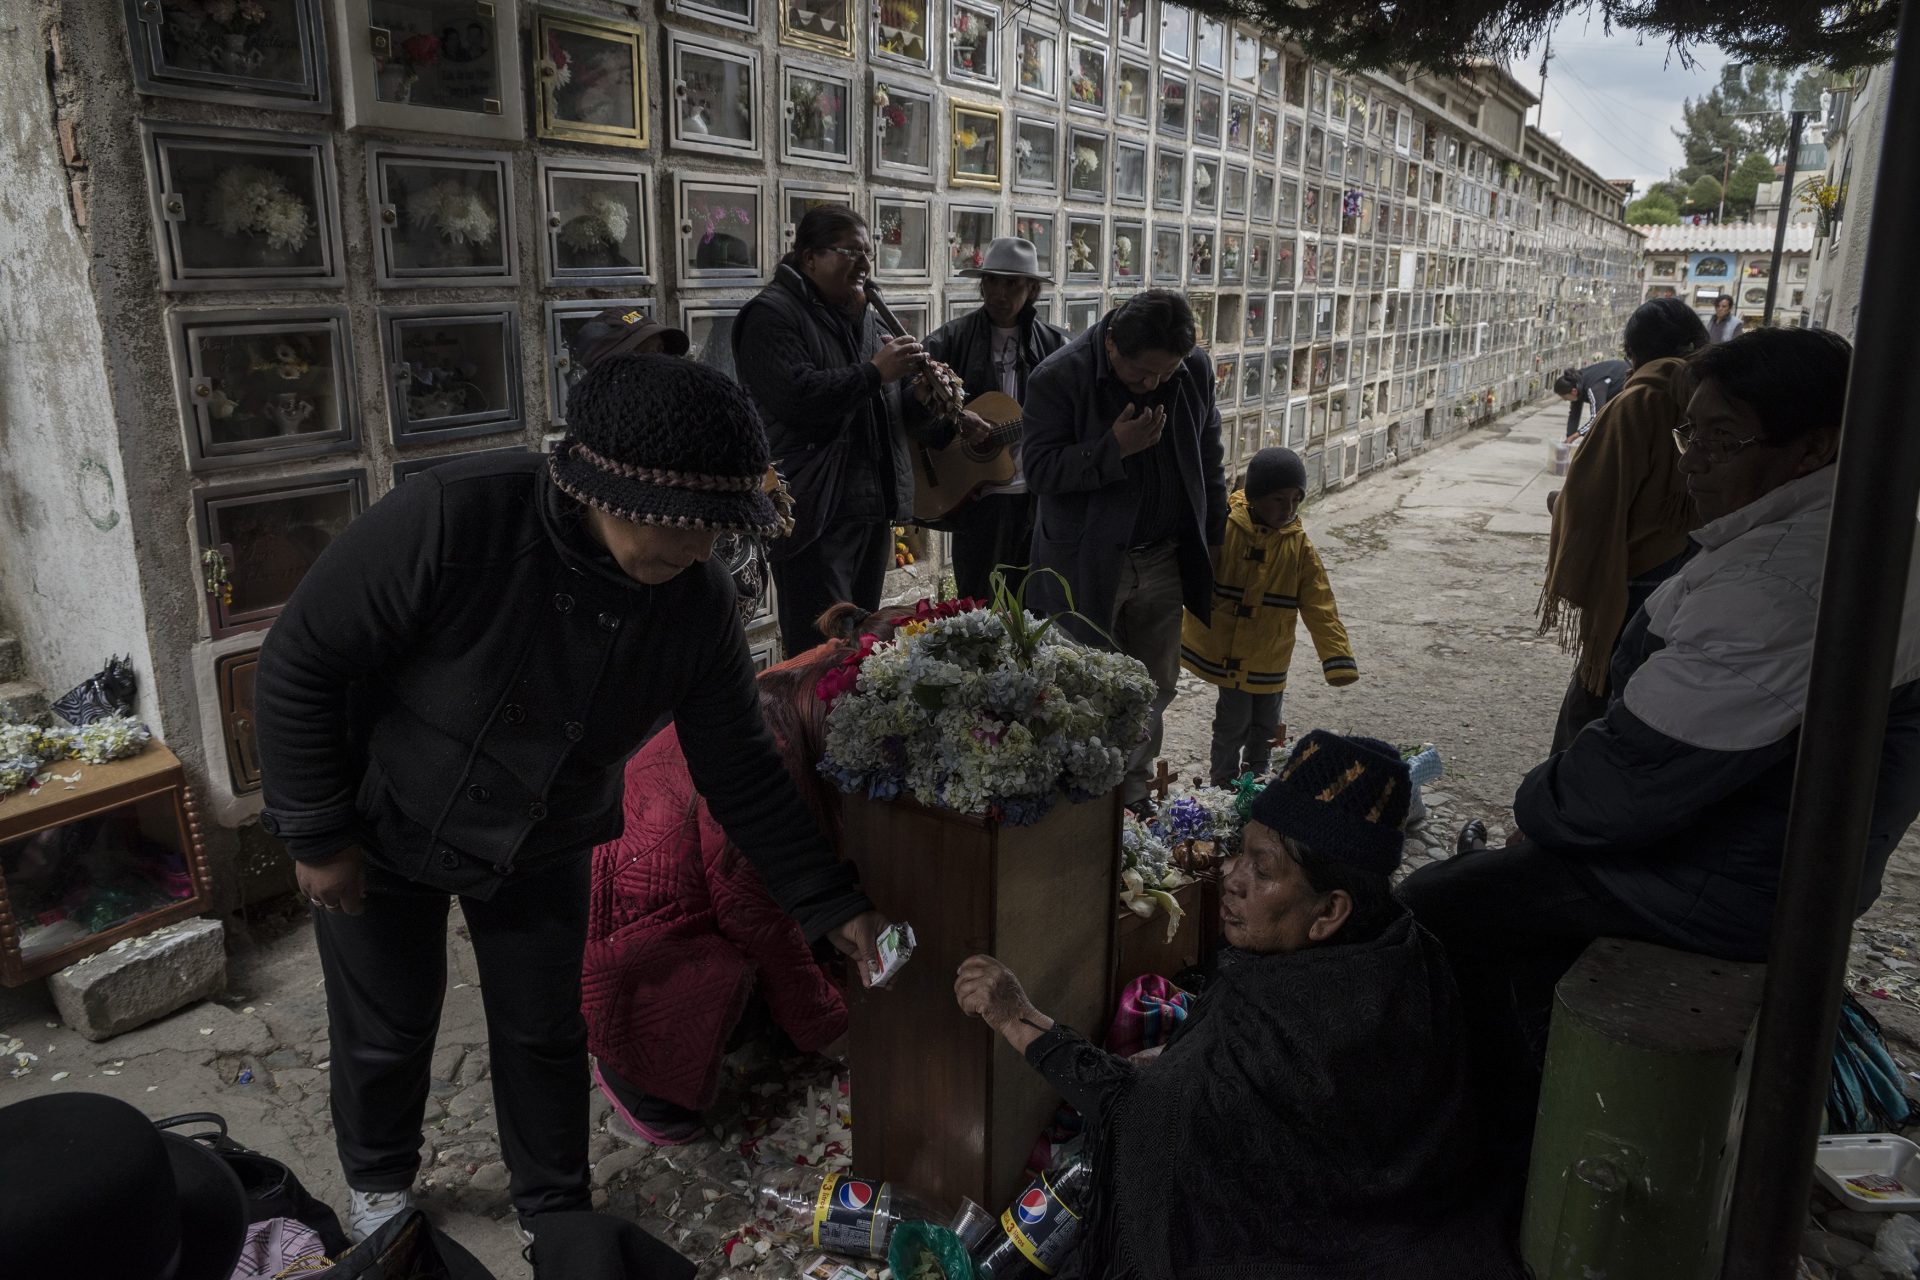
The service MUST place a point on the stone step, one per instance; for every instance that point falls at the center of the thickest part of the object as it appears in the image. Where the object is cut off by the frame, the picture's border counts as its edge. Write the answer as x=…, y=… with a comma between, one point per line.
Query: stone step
x=23, y=702
x=12, y=664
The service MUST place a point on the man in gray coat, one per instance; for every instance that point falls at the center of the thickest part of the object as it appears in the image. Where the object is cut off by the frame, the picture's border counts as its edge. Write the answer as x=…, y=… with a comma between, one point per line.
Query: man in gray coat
x=1123, y=454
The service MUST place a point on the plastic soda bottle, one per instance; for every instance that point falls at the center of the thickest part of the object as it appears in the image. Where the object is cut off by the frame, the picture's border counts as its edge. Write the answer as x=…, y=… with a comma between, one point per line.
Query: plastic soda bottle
x=1039, y=1229
x=843, y=1214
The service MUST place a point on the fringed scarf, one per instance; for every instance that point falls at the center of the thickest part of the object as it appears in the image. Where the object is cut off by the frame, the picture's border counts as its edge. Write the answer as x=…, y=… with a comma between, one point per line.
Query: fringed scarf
x=1623, y=509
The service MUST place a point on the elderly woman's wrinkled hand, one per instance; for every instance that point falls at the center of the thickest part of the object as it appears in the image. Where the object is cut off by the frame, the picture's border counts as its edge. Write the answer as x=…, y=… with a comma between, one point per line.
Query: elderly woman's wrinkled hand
x=988, y=990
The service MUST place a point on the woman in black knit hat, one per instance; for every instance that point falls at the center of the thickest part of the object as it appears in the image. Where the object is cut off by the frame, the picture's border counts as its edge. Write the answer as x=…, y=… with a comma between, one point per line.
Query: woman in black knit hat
x=443, y=711
x=1309, y=1116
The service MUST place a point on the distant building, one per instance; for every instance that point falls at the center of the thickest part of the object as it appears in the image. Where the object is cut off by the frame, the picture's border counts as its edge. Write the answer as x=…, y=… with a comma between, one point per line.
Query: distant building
x=1855, y=124
x=1735, y=258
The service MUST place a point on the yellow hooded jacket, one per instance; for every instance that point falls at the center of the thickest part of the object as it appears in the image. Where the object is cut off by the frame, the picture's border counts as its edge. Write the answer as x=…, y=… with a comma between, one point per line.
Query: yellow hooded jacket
x=1266, y=579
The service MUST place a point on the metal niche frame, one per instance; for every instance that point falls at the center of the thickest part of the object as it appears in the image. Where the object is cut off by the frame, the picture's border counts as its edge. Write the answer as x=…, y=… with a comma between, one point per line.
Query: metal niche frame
x=560, y=354
x=957, y=113
x=197, y=389
x=385, y=212
x=554, y=169
x=752, y=194
x=793, y=35
x=679, y=136
x=396, y=323
x=906, y=201
x=877, y=125
x=791, y=151
x=212, y=505
x=362, y=105
x=548, y=123
x=153, y=74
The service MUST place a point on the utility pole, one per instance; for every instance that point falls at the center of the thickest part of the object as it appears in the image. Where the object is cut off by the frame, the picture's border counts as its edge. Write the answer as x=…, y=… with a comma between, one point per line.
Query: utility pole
x=1546, y=56
x=1786, y=207
x=1726, y=175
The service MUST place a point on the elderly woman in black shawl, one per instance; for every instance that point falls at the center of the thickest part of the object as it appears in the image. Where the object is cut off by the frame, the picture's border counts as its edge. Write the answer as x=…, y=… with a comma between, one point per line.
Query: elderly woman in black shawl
x=1308, y=1119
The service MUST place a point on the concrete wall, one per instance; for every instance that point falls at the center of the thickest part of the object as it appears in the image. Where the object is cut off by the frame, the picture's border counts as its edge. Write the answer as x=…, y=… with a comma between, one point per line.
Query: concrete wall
x=1840, y=260
x=68, y=585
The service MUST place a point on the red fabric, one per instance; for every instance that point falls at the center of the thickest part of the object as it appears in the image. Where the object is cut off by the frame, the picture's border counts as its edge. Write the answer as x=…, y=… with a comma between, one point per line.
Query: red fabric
x=680, y=929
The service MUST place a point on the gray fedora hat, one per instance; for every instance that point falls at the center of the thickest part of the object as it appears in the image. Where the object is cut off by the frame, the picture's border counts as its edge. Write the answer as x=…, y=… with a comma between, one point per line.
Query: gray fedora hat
x=1009, y=256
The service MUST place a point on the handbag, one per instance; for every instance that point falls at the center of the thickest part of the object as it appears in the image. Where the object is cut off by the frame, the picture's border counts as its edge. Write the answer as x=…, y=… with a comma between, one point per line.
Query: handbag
x=815, y=475
x=272, y=1189
x=407, y=1247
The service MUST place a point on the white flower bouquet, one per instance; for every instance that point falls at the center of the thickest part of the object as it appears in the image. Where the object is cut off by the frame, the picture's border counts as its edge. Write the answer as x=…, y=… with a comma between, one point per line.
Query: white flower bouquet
x=983, y=709
x=250, y=201
x=1148, y=875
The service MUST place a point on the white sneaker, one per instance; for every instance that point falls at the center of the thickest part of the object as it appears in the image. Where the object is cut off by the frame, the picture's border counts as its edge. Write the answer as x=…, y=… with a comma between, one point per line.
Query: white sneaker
x=368, y=1211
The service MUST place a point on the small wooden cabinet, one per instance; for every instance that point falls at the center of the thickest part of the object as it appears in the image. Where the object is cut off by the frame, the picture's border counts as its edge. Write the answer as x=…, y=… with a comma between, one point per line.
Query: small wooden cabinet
x=112, y=854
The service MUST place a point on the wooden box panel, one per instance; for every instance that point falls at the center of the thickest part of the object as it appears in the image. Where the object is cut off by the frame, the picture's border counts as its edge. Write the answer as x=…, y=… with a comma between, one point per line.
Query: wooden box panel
x=941, y=1104
x=235, y=674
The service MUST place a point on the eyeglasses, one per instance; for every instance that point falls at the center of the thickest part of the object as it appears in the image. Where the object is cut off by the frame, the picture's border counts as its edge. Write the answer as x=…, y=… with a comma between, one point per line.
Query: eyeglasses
x=1685, y=437
x=852, y=255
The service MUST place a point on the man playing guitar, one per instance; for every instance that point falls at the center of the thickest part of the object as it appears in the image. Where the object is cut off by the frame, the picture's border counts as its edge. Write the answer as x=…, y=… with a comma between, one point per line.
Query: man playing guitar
x=992, y=349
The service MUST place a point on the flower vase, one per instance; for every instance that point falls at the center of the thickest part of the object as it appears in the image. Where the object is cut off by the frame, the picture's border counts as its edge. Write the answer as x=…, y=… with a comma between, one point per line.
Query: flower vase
x=889, y=257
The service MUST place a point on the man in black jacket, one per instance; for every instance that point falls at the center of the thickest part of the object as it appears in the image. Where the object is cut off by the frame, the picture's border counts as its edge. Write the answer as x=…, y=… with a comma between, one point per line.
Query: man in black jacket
x=995, y=349
x=444, y=708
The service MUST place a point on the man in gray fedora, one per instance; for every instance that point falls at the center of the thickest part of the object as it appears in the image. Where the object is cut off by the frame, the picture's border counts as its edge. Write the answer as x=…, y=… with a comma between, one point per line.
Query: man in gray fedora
x=994, y=349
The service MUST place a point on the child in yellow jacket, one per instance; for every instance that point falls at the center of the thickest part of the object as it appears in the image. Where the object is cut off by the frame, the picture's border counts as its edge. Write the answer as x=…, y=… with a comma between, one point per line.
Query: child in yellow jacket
x=1267, y=576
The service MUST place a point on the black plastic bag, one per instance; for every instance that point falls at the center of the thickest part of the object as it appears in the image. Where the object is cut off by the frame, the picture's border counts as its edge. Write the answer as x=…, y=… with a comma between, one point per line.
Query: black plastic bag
x=106, y=692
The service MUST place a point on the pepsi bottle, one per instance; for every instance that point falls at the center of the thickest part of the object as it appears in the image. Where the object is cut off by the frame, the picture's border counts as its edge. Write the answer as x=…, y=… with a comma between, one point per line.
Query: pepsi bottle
x=1039, y=1229
x=843, y=1214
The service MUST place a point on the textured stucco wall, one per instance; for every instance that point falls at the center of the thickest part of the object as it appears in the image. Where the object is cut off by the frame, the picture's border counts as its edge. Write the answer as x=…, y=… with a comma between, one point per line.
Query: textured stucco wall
x=1840, y=264
x=68, y=586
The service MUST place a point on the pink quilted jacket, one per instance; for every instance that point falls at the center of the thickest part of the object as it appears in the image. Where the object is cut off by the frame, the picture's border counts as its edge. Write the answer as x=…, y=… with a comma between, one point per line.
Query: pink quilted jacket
x=680, y=930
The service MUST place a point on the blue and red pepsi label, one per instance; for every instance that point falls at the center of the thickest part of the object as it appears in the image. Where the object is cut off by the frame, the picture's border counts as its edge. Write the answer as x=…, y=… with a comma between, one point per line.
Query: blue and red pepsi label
x=1041, y=1226
x=845, y=1216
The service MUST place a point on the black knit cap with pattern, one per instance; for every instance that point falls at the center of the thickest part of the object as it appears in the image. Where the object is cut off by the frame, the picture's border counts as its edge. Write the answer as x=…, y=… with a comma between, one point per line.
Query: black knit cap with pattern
x=659, y=440
x=1344, y=798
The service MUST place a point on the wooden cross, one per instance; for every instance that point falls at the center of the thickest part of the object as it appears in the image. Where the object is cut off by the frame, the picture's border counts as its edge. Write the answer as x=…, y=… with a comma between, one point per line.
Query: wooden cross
x=1162, y=782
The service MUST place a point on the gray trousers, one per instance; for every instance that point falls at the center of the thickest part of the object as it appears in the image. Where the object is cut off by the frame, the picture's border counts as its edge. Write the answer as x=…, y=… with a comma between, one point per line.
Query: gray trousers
x=1244, y=725
x=1146, y=625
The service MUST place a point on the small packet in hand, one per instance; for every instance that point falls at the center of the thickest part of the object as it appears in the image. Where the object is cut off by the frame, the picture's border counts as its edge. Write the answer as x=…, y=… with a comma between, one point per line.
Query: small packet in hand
x=895, y=945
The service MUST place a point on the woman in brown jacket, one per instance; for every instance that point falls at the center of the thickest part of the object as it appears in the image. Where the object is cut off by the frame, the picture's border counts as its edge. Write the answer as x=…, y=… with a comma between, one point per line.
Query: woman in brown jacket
x=1621, y=521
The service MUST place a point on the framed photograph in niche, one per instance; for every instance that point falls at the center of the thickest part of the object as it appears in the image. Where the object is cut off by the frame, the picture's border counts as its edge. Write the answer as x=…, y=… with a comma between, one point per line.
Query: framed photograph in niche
x=1036, y=62
x=264, y=384
x=1041, y=229
x=824, y=26
x=901, y=143
x=431, y=66
x=1036, y=155
x=1132, y=19
x=408, y=468
x=1236, y=197
x=708, y=324
x=1201, y=264
x=1086, y=250
x=1264, y=192
x=1169, y=179
x=1210, y=45
x=902, y=234
x=817, y=109
x=1129, y=171
x=798, y=199
x=597, y=217
x=716, y=96
x=257, y=541
x=1128, y=265
x=242, y=208
x=1086, y=76
x=1083, y=312
x=1095, y=15
x=974, y=135
x=452, y=371
x=589, y=81
x=744, y=14
x=970, y=229
x=900, y=33
x=1240, y=123
x=973, y=43
x=1233, y=257
x=1087, y=164
x=1206, y=184
x=1169, y=254
x=564, y=320
x=1132, y=87
x=442, y=216
x=1173, y=104
x=256, y=55
x=1244, y=65
x=1176, y=33
x=719, y=228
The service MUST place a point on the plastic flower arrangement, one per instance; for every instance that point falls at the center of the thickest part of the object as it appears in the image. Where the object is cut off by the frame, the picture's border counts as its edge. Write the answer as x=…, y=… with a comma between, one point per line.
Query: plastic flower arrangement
x=982, y=708
x=25, y=748
x=601, y=223
x=1148, y=876
x=250, y=201
x=455, y=211
x=1086, y=162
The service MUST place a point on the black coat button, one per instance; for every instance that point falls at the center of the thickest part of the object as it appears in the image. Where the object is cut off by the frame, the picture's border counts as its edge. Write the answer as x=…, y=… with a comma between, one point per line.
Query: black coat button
x=270, y=824
x=563, y=602
x=479, y=794
x=574, y=731
x=537, y=810
x=514, y=713
x=449, y=859
x=608, y=622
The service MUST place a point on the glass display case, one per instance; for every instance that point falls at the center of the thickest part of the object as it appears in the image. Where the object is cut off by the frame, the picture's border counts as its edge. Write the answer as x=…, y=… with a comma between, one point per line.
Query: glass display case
x=901, y=236
x=1173, y=105
x=270, y=53
x=1086, y=76
x=589, y=81
x=817, y=110
x=1095, y=15
x=431, y=66
x=899, y=33
x=1129, y=264
x=708, y=324
x=257, y=541
x=1169, y=179
x=1083, y=312
x=970, y=229
x=1210, y=45
x=744, y=14
x=716, y=97
x=1132, y=94
x=720, y=229
x=1206, y=184
x=1176, y=33
x=973, y=43
x=1036, y=62
x=1036, y=155
x=1235, y=203
x=597, y=217
x=1133, y=24
x=264, y=384
x=1129, y=171
x=238, y=209
x=1087, y=164
x=1201, y=265
x=441, y=216
x=824, y=26
x=797, y=199
x=901, y=142
x=452, y=371
x=975, y=156
x=1233, y=255
x=564, y=320
x=1169, y=254
x=1086, y=253
x=1265, y=196
x=1208, y=111
x=1041, y=230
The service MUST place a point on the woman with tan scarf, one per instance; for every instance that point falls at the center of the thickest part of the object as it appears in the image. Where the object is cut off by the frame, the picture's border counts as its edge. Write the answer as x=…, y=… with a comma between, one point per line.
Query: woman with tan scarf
x=1621, y=521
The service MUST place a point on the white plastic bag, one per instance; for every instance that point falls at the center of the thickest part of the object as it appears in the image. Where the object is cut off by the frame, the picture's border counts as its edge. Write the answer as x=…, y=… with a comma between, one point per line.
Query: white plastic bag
x=1896, y=1246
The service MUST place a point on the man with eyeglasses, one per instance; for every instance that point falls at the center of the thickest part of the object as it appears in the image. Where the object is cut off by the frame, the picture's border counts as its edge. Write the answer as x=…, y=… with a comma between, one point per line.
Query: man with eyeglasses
x=1665, y=819
x=826, y=379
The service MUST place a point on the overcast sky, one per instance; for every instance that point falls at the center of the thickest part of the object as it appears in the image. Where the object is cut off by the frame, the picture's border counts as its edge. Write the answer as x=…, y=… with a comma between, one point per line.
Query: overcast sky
x=1615, y=100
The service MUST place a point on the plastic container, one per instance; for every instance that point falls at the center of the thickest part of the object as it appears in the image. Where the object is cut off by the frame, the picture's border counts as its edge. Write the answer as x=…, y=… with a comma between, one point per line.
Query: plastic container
x=843, y=1214
x=1039, y=1229
x=1877, y=1172
x=909, y=1238
x=1559, y=456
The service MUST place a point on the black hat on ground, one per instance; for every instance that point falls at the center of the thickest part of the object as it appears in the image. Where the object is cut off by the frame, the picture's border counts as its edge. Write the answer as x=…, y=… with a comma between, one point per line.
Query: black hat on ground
x=658, y=440
x=1344, y=798
x=90, y=1190
x=619, y=331
x=1273, y=469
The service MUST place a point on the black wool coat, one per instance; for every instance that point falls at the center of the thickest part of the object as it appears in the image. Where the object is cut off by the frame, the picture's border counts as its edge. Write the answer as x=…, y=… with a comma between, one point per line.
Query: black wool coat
x=458, y=682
